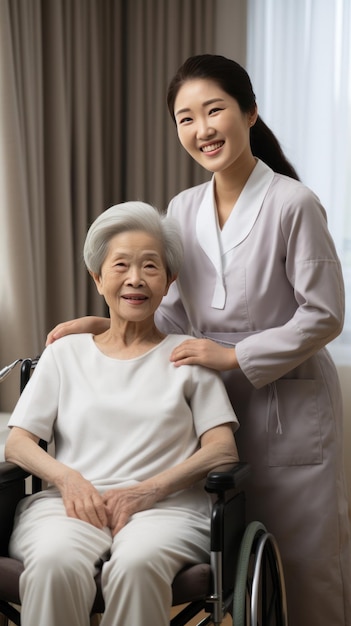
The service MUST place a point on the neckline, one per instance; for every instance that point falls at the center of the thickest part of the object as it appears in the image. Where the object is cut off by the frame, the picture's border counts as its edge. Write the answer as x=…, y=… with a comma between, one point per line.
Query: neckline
x=131, y=359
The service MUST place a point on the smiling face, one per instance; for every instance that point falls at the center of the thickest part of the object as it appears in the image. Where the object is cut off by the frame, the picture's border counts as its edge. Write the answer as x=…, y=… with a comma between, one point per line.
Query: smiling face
x=211, y=126
x=133, y=277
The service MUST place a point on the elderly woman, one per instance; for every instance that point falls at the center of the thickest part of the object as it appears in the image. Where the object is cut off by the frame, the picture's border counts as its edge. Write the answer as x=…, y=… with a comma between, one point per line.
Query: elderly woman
x=134, y=437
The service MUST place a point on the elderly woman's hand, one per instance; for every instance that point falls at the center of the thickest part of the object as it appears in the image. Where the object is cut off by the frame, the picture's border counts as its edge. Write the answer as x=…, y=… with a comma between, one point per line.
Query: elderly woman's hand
x=121, y=504
x=81, y=499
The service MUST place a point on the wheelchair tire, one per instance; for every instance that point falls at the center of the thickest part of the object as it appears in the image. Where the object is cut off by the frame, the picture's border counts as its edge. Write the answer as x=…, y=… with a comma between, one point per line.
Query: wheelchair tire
x=259, y=591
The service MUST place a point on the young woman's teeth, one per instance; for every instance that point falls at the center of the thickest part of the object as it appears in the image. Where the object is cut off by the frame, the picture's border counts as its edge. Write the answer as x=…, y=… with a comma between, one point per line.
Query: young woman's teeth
x=213, y=146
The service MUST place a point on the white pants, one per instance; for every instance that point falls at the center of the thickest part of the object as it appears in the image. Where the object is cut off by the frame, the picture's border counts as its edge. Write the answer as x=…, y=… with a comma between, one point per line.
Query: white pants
x=60, y=554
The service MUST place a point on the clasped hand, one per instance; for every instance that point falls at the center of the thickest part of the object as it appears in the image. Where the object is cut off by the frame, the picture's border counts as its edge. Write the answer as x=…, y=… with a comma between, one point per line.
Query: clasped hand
x=112, y=509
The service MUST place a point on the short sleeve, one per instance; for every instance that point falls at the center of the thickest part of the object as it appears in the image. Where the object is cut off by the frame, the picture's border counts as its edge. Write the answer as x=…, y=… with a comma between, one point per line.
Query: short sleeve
x=36, y=409
x=209, y=401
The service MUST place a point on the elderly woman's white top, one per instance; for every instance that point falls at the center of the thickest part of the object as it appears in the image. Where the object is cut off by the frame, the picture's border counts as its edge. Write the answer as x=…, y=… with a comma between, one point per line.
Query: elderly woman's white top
x=121, y=421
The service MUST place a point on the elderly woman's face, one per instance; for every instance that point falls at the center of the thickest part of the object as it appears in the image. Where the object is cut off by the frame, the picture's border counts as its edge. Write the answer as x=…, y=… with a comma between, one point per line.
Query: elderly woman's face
x=133, y=277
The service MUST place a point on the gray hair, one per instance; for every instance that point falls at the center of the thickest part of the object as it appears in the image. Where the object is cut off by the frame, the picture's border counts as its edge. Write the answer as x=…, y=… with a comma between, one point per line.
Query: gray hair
x=131, y=216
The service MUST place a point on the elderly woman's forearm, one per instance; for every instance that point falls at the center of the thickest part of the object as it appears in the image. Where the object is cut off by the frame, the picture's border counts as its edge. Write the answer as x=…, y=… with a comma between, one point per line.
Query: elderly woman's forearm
x=22, y=449
x=194, y=469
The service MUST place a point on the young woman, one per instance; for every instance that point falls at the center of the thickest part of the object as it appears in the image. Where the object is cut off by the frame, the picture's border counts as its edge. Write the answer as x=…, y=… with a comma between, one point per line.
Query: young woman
x=128, y=470
x=261, y=289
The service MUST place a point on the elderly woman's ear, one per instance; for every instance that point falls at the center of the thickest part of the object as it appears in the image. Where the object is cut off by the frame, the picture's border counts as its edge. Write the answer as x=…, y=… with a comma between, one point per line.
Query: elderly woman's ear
x=170, y=281
x=97, y=280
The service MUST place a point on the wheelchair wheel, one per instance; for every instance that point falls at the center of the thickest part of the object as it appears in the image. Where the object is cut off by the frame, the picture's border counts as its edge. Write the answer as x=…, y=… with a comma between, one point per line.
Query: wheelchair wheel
x=259, y=592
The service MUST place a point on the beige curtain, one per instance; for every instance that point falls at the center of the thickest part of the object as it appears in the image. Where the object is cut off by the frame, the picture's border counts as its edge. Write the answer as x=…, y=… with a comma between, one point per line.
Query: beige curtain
x=83, y=125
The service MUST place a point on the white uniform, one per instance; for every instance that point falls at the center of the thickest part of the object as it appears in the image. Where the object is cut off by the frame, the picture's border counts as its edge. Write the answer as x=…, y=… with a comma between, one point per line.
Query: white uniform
x=117, y=422
x=270, y=283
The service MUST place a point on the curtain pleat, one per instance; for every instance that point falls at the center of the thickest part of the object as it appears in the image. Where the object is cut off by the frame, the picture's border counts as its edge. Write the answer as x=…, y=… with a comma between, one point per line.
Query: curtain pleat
x=22, y=239
x=83, y=125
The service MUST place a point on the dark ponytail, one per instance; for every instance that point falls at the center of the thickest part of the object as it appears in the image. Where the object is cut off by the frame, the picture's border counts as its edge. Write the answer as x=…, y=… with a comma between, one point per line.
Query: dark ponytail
x=265, y=146
x=235, y=81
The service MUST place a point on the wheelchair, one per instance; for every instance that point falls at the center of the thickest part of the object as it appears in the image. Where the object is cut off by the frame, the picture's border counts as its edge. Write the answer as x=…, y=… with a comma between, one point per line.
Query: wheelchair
x=242, y=583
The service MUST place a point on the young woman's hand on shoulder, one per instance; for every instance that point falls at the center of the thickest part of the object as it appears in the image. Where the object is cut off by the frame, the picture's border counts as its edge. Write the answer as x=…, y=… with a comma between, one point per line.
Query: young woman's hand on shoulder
x=205, y=352
x=88, y=324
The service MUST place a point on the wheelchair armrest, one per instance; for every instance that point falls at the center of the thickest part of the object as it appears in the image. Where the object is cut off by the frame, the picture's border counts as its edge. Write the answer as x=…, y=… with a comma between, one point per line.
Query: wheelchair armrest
x=226, y=477
x=228, y=519
x=9, y=472
x=12, y=490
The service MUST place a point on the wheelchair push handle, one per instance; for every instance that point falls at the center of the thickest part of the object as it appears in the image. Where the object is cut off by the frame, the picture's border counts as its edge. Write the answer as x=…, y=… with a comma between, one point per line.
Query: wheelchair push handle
x=27, y=365
x=8, y=369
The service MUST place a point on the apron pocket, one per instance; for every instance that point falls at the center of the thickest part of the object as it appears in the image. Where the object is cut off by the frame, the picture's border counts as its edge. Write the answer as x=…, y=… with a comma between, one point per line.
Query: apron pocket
x=293, y=423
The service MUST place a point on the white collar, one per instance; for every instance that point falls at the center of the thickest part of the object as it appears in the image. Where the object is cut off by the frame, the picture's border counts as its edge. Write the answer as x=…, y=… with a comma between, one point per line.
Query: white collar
x=237, y=227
